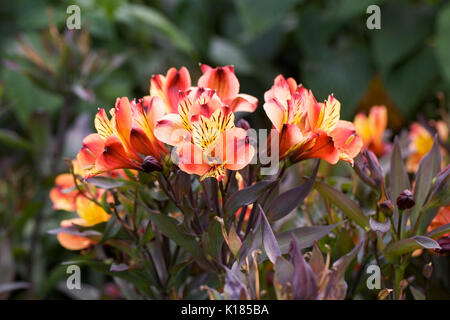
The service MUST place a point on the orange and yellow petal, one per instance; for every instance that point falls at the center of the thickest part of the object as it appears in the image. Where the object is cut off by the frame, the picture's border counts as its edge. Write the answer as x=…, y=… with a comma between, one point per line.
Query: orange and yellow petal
x=90, y=212
x=73, y=242
x=221, y=79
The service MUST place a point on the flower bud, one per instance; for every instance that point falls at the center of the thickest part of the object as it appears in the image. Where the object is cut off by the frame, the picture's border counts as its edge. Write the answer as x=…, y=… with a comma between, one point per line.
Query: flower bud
x=151, y=164
x=427, y=270
x=405, y=200
x=243, y=124
x=444, y=243
x=386, y=207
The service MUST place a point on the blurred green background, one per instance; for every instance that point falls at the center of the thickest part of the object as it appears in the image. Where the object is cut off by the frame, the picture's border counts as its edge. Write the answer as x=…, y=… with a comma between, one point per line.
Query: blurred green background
x=53, y=80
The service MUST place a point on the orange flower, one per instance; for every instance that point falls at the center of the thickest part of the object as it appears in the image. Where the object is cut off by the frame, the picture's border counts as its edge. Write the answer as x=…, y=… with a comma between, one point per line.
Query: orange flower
x=123, y=141
x=421, y=142
x=167, y=87
x=241, y=185
x=70, y=241
x=441, y=218
x=64, y=194
x=307, y=128
x=90, y=214
x=226, y=84
x=371, y=129
x=203, y=132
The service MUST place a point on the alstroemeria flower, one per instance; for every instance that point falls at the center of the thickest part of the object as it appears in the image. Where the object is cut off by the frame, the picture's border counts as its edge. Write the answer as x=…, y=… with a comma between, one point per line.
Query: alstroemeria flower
x=203, y=132
x=90, y=214
x=167, y=87
x=307, y=128
x=421, y=142
x=123, y=141
x=371, y=129
x=442, y=218
x=65, y=196
x=226, y=84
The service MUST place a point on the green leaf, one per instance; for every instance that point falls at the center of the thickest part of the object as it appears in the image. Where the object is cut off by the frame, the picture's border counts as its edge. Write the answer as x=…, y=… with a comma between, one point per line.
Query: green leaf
x=398, y=178
x=142, y=14
x=442, y=40
x=286, y=202
x=224, y=52
x=12, y=139
x=35, y=99
x=404, y=246
x=105, y=182
x=348, y=207
x=306, y=236
x=404, y=27
x=258, y=16
x=429, y=167
x=412, y=80
x=416, y=293
x=247, y=195
x=169, y=227
x=212, y=239
x=328, y=72
x=439, y=231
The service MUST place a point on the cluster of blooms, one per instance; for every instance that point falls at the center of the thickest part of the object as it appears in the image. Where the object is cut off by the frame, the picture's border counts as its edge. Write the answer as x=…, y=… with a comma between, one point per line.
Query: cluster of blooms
x=198, y=123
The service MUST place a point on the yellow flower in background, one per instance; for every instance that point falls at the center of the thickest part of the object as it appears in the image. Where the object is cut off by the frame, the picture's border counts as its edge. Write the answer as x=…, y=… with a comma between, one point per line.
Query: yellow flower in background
x=371, y=129
x=421, y=142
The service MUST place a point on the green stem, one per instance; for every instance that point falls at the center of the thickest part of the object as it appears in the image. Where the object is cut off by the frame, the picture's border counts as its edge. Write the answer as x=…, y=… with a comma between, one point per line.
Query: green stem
x=399, y=275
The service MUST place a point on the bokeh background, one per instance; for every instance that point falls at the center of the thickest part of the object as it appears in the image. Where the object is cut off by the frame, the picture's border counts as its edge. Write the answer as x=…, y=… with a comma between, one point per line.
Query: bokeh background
x=53, y=80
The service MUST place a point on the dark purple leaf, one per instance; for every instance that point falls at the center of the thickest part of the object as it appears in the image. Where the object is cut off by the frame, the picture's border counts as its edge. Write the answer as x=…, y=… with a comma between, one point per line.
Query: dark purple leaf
x=269, y=241
x=286, y=202
x=304, y=283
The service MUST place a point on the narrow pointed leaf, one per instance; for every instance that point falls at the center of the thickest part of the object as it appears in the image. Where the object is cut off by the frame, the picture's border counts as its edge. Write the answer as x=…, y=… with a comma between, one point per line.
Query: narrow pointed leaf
x=404, y=246
x=304, y=281
x=398, y=178
x=269, y=241
x=439, y=231
x=247, y=195
x=286, y=202
x=428, y=168
x=348, y=207
x=306, y=236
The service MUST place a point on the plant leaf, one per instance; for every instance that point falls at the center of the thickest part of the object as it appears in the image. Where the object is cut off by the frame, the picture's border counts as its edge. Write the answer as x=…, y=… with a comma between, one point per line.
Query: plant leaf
x=429, y=167
x=105, y=182
x=306, y=236
x=247, y=196
x=169, y=227
x=439, y=231
x=269, y=241
x=344, y=203
x=380, y=226
x=404, y=246
x=398, y=179
x=284, y=203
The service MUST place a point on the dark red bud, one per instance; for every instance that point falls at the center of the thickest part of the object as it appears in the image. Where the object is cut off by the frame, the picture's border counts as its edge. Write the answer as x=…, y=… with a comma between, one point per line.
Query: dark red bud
x=405, y=200
x=444, y=243
x=151, y=164
x=243, y=124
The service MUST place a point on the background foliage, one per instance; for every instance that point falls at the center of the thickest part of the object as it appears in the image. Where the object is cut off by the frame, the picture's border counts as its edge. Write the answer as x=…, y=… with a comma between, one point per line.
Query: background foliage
x=52, y=81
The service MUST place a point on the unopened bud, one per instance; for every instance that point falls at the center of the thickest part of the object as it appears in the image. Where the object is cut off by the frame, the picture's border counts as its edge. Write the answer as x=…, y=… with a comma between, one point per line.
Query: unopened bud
x=243, y=124
x=427, y=270
x=405, y=200
x=151, y=164
x=386, y=207
x=444, y=243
